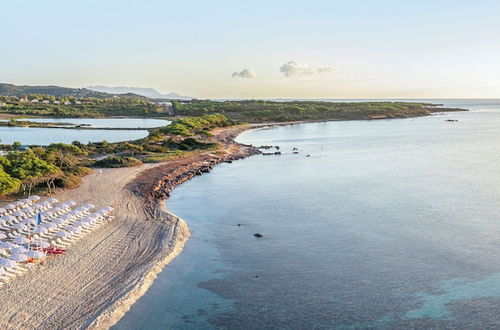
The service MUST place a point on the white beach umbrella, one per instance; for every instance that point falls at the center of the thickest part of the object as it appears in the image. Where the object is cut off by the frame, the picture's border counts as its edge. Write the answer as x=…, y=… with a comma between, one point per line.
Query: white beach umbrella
x=48, y=225
x=20, y=240
x=2, y=210
x=19, y=257
x=26, y=201
x=8, y=245
x=40, y=230
x=29, y=221
x=71, y=203
x=45, y=203
x=34, y=197
x=62, y=234
x=80, y=223
x=7, y=262
x=88, y=206
x=73, y=228
x=10, y=206
x=37, y=206
x=2, y=235
x=52, y=200
x=18, y=250
x=18, y=214
x=7, y=218
x=19, y=226
x=42, y=244
x=35, y=254
x=58, y=221
x=19, y=203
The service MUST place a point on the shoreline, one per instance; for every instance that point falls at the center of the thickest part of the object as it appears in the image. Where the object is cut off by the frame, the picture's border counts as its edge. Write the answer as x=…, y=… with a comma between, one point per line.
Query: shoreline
x=103, y=275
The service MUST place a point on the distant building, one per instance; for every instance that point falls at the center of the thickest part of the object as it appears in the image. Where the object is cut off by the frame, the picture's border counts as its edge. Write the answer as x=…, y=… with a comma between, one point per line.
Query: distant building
x=22, y=100
x=56, y=102
x=78, y=102
x=67, y=102
x=45, y=101
x=34, y=101
x=3, y=104
x=3, y=153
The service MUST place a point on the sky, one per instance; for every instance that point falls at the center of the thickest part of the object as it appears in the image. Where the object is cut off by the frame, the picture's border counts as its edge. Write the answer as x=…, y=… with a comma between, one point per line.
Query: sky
x=257, y=49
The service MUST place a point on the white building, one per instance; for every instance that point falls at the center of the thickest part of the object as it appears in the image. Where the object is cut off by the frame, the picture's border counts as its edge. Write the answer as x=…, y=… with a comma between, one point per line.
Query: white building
x=67, y=102
x=45, y=101
x=56, y=102
x=34, y=101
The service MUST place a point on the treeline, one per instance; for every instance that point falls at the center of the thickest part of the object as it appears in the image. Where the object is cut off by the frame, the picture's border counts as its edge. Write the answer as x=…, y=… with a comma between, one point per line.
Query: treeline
x=263, y=111
x=78, y=107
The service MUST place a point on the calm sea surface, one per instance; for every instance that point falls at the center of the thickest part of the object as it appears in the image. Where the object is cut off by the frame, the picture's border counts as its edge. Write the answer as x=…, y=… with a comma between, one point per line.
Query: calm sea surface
x=45, y=136
x=387, y=224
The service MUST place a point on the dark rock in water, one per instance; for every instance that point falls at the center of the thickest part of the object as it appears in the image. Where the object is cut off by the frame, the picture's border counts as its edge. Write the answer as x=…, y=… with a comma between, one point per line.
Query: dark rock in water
x=256, y=276
x=308, y=156
x=294, y=149
x=277, y=147
x=267, y=153
x=452, y=120
x=295, y=152
x=239, y=225
x=277, y=153
x=258, y=235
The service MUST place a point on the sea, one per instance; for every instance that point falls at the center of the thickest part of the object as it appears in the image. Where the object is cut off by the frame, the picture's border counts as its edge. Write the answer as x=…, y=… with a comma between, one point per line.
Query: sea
x=382, y=224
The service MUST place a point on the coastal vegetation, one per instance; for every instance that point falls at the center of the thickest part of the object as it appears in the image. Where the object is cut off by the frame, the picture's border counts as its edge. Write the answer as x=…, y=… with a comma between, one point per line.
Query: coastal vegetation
x=25, y=168
x=266, y=111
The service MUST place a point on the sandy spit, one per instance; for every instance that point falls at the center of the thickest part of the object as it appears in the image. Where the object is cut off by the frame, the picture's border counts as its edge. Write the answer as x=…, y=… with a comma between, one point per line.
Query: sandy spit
x=99, y=278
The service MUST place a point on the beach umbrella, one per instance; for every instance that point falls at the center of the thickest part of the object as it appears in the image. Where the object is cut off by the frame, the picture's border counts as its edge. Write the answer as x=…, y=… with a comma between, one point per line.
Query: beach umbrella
x=7, y=262
x=48, y=225
x=9, y=206
x=2, y=210
x=80, y=223
x=19, y=257
x=18, y=214
x=26, y=201
x=19, y=249
x=73, y=228
x=34, y=198
x=58, y=221
x=19, y=203
x=52, y=200
x=40, y=230
x=2, y=235
x=19, y=226
x=8, y=245
x=35, y=254
x=7, y=218
x=42, y=244
x=88, y=206
x=37, y=206
x=29, y=221
x=62, y=234
x=20, y=240
x=45, y=203
x=71, y=203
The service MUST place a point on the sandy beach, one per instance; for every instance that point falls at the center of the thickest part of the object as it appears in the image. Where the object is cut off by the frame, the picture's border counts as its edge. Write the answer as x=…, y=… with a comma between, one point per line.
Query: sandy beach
x=102, y=275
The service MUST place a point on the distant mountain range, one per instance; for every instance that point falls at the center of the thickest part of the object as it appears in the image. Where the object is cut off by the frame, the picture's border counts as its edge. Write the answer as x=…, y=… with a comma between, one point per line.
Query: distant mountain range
x=147, y=92
x=14, y=90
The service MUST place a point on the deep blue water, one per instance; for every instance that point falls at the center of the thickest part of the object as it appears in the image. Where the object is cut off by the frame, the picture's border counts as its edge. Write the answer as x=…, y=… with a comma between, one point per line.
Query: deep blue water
x=387, y=224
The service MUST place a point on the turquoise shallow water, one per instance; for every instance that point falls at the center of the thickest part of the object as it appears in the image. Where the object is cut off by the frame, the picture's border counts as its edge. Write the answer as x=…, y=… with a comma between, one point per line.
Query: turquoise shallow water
x=387, y=224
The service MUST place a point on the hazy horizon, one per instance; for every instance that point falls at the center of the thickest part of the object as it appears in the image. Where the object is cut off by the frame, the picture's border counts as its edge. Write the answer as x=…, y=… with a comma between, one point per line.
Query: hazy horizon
x=222, y=50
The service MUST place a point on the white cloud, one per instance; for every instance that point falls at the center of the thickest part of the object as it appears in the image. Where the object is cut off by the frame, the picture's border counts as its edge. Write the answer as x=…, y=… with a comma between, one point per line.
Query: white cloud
x=296, y=69
x=245, y=73
x=293, y=68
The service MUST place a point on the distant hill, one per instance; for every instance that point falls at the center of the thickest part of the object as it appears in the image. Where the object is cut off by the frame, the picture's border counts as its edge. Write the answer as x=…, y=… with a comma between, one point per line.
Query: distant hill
x=148, y=92
x=14, y=90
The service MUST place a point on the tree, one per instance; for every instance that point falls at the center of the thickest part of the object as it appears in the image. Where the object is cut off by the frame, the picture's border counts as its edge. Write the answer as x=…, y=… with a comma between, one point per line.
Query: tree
x=8, y=184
